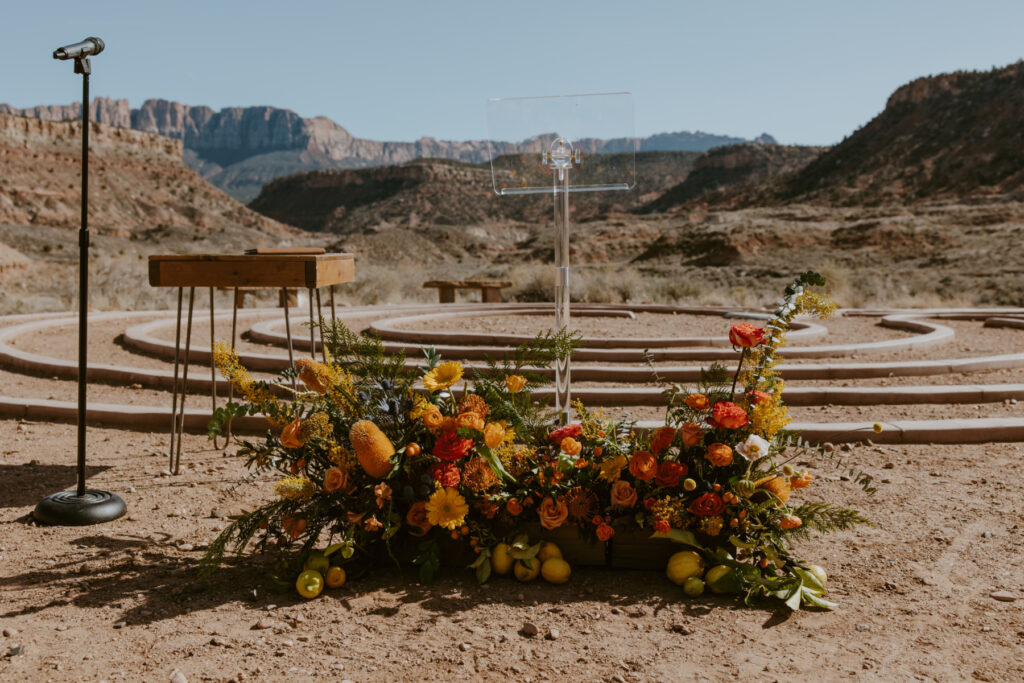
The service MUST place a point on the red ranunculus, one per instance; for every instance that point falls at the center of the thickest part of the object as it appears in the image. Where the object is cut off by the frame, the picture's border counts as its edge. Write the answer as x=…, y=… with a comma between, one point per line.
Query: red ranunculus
x=450, y=446
x=669, y=473
x=746, y=335
x=662, y=439
x=707, y=505
x=573, y=431
x=662, y=526
x=446, y=473
x=605, y=532
x=729, y=415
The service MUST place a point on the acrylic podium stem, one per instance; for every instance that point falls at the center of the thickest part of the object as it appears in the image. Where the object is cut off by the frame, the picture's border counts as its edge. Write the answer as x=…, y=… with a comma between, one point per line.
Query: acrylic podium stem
x=562, y=369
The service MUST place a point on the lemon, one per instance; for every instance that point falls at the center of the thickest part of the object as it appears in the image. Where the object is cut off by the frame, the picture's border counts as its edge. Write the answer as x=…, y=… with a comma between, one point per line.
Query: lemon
x=317, y=561
x=501, y=561
x=526, y=570
x=309, y=584
x=555, y=570
x=819, y=573
x=548, y=550
x=693, y=587
x=683, y=565
x=335, y=577
x=721, y=579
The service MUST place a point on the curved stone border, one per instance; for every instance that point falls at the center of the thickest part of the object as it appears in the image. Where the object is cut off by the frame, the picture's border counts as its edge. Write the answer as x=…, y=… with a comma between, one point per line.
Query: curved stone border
x=904, y=432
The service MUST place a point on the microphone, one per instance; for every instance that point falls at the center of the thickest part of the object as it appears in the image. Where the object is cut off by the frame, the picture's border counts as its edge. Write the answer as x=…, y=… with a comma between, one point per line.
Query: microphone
x=89, y=46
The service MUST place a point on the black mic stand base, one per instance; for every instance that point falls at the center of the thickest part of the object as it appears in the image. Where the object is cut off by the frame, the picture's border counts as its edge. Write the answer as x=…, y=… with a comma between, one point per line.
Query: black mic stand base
x=67, y=508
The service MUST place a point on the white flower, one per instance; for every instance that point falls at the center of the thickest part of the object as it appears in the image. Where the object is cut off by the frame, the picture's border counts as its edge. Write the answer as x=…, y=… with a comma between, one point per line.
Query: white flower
x=753, y=447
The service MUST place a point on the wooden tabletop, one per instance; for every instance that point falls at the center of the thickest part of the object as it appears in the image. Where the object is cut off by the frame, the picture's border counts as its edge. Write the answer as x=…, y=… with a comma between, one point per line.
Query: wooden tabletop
x=251, y=270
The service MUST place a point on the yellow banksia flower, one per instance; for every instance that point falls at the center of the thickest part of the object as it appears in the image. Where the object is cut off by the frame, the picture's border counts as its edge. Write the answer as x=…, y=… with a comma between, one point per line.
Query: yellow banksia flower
x=316, y=426
x=294, y=488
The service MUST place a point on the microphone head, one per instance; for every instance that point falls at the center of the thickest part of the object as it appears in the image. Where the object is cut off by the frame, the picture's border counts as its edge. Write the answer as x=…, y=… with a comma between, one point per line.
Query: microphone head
x=99, y=45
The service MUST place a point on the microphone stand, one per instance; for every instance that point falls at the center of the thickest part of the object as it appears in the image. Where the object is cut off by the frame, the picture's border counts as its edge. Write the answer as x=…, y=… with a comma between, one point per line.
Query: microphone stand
x=82, y=506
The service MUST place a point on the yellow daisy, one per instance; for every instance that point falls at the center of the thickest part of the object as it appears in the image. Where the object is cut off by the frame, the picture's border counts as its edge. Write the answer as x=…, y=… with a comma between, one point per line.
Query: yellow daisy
x=443, y=376
x=447, y=508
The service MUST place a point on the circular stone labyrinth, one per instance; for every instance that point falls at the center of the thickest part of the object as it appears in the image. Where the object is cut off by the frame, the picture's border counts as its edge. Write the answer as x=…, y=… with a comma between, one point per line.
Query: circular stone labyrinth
x=929, y=376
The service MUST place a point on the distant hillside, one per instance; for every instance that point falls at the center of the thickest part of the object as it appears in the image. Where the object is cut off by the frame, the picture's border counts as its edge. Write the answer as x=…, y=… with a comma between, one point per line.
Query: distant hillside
x=956, y=135
x=441, y=192
x=137, y=182
x=239, y=149
x=733, y=166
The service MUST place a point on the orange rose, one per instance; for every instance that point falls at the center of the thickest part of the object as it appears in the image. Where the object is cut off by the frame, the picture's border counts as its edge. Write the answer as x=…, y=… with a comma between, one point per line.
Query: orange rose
x=697, y=401
x=719, y=455
x=552, y=515
x=417, y=517
x=514, y=383
x=662, y=439
x=513, y=507
x=691, y=434
x=729, y=415
x=335, y=479
x=643, y=466
x=802, y=481
x=291, y=434
x=623, y=494
x=571, y=446
x=471, y=421
x=746, y=335
x=604, y=532
x=432, y=417
x=756, y=396
x=494, y=434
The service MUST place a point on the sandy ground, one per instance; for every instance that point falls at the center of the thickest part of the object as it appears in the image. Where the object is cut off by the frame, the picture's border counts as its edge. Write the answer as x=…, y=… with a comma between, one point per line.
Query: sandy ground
x=121, y=602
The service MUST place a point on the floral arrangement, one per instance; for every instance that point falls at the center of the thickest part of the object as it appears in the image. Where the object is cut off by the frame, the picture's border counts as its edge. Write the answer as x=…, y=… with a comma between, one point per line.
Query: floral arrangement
x=382, y=464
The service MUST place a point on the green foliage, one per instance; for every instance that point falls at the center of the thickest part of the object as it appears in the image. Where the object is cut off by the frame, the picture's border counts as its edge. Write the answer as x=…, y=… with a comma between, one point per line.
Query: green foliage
x=827, y=517
x=428, y=560
x=364, y=356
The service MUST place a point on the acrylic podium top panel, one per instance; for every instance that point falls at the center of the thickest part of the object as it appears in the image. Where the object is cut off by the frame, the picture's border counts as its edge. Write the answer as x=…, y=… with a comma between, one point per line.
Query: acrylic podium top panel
x=590, y=137
x=251, y=270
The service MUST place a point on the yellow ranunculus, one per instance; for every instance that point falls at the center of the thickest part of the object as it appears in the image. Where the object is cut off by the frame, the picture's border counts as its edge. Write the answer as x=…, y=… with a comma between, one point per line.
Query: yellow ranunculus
x=514, y=383
x=611, y=468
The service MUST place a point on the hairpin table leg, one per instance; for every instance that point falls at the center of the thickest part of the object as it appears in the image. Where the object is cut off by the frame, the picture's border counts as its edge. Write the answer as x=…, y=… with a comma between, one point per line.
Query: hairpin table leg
x=288, y=332
x=334, y=314
x=174, y=386
x=320, y=318
x=176, y=469
x=231, y=387
x=213, y=368
x=312, y=328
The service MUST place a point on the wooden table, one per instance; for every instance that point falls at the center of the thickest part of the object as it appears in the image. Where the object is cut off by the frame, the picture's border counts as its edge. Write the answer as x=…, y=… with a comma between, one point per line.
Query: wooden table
x=278, y=270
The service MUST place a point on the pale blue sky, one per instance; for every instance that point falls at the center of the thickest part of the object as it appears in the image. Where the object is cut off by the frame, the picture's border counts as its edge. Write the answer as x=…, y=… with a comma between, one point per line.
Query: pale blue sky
x=806, y=72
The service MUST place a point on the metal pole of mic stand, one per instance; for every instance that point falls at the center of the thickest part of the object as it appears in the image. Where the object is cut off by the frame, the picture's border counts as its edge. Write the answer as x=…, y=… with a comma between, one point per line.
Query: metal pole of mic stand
x=83, y=506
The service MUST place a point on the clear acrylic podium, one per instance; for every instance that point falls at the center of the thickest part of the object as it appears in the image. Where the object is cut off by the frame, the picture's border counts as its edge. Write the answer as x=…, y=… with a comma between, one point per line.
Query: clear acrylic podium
x=560, y=145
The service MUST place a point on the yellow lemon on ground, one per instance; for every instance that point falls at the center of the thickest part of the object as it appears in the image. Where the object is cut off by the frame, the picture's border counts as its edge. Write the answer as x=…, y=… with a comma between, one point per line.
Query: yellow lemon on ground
x=818, y=572
x=310, y=583
x=683, y=565
x=501, y=561
x=693, y=587
x=720, y=579
x=548, y=550
x=527, y=570
x=335, y=577
x=555, y=570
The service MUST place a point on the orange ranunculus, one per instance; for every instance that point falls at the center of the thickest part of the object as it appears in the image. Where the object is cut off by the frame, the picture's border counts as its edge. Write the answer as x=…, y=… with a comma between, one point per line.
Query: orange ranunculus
x=514, y=383
x=719, y=455
x=691, y=434
x=802, y=481
x=643, y=466
x=450, y=447
x=471, y=421
x=746, y=335
x=756, y=396
x=669, y=473
x=513, y=507
x=449, y=424
x=707, y=505
x=662, y=526
x=335, y=479
x=729, y=415
x=552, y=515
x=432, y=416
x=623, y=494
x=291, y=434
x=494, y=434
x=604, y=532
x=790, y=522
x=697, y=401
x=571, y=446
x=417, y=517
x=662, y=439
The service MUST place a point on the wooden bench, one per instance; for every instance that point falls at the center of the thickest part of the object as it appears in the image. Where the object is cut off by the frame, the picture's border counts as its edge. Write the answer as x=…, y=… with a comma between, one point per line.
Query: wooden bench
x=490, y=290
